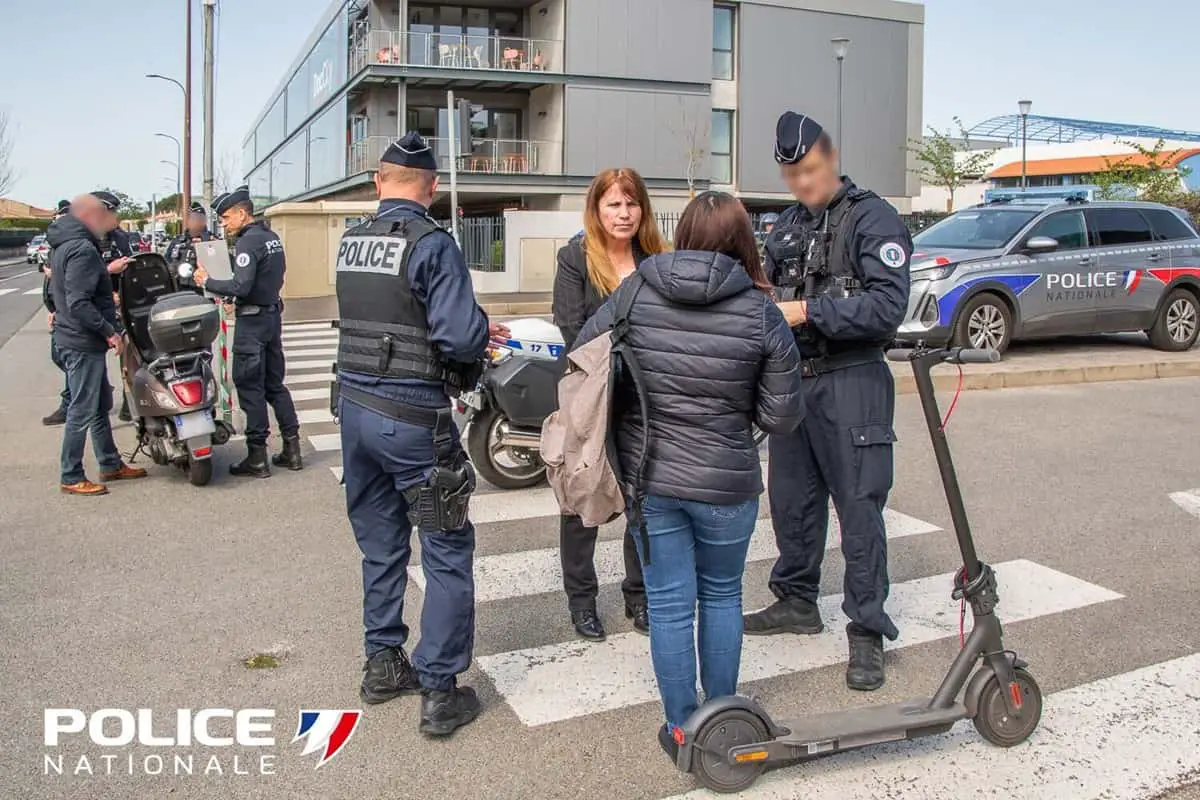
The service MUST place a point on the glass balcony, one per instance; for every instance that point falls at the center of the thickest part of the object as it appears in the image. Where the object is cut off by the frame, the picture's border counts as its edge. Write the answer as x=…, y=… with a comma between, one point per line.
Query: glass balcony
x=454, y=51
x=491, y=156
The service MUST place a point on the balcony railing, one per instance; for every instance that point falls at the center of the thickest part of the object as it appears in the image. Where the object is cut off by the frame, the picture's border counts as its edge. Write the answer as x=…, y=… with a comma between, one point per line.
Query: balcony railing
x=455, y=51
x=493, y=156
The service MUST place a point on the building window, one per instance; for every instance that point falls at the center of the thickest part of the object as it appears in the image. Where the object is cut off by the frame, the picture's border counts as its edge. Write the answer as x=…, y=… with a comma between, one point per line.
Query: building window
x=721, y=146
x=722, y=45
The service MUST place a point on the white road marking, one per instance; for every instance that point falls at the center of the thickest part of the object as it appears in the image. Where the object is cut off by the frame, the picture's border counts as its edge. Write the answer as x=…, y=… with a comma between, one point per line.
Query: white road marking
x=296, y=336
x=322, y=364
x=530, y=572
x=315, y=353
x=18, y=275
x=307, y=377
x=1127, y=737
x=7, y=291
x=307, y=326
x=572, y=679
x=313, y=416
x=324, y=442
x=32, y=291
x=337, y=473
x=1189, y=501
x=300, y=395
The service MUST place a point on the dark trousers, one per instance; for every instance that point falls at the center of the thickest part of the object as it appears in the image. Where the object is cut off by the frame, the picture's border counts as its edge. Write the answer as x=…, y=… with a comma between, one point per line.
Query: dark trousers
x=843, y=450
x=381, y=458
x=91, y=401
x=577, y=544
x=65, y=395
x=258, y=371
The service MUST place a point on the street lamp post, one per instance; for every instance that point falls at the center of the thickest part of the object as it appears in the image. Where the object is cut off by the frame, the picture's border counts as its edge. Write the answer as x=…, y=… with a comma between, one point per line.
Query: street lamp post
x=1024, y=106
x=840, y=46
x=174, y=164
x=187, y=120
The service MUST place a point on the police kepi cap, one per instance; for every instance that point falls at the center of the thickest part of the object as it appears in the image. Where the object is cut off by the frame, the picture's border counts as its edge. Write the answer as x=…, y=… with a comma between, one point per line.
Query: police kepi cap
x=411, y=151
x=198, y=208
x=795, y=135
x=63, y=207
x=228, y=200
x=107, y=199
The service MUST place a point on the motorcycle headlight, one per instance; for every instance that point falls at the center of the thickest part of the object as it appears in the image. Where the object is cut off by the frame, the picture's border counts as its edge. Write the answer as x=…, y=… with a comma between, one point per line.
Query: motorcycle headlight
x=498, y=353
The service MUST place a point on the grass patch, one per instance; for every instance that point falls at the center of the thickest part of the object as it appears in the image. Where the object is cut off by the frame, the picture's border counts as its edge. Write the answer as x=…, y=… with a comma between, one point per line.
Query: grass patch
x=262, y=661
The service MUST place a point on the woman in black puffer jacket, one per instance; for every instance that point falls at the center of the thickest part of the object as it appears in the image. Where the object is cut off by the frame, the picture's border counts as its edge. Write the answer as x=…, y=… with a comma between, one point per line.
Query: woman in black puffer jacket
x=715, y=356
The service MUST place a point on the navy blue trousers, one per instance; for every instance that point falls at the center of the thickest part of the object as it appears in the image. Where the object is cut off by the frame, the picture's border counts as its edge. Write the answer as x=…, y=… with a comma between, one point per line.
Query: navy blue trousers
x=258, y=372
x=381, y=458
x=843, y=450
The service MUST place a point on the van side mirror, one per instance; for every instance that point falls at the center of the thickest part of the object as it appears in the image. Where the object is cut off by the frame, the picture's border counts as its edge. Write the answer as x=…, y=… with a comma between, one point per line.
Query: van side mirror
x=1041, y=244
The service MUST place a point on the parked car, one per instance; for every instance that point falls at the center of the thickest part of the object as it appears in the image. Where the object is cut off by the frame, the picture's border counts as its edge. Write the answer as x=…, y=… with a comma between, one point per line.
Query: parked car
x=42, y=255
x=32, y=248
x=137, y=243
x=1021, y=268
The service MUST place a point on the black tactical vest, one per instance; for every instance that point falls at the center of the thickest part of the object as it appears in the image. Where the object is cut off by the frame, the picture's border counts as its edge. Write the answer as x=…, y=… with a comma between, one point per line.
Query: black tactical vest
x=825, y=244
x=383, y=329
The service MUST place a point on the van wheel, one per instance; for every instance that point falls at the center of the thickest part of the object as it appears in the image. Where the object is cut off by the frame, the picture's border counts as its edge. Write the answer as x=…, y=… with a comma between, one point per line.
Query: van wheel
x=985, y=323
x=1178, y=322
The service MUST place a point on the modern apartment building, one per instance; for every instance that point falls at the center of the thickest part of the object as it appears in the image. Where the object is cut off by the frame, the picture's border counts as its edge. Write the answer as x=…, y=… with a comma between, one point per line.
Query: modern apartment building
x=685, y=91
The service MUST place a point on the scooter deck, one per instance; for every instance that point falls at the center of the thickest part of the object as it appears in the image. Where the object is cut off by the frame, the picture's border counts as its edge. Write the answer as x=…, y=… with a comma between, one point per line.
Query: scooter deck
x=858, y=727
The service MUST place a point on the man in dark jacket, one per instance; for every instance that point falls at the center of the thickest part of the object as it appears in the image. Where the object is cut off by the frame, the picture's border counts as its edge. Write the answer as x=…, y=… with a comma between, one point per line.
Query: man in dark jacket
x=85, y=327
x=59, y=415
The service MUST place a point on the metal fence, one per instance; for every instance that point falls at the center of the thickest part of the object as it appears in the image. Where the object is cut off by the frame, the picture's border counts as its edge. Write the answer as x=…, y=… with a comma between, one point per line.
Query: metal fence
x=482, y=240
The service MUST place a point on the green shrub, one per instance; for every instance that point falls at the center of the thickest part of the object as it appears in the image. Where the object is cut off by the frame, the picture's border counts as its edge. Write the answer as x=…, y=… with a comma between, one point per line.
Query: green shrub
x=25, y=224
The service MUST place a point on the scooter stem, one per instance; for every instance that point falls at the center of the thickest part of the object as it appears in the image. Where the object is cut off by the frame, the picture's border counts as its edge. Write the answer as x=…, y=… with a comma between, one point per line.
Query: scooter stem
x=922, y=366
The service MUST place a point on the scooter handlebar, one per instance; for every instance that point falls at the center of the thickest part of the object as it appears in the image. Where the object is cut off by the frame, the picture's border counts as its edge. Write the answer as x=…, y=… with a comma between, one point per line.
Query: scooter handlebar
x=949, y=355
x=967, y=355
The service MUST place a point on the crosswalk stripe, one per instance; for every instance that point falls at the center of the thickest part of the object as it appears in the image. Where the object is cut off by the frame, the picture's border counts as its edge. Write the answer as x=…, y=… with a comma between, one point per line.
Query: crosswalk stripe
x=530, y=572
x=337, y=472
x=1189, y=501
x=324, y=442
x=299, y=335
x=566, y=680
x=300, y=395
x=33, y=291
x=302, y=365
x=7, y=291
x=307, y=326
x=314, y=353
x=307, y=377
x=1127, y=737
x=312, y=416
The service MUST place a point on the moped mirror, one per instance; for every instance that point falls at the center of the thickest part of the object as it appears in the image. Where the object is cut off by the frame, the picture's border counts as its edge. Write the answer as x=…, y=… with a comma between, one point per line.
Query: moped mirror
x=184, y=270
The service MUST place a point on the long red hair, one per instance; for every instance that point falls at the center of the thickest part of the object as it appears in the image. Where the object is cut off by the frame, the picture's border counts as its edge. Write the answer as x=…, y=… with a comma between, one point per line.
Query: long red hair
x=600, y=270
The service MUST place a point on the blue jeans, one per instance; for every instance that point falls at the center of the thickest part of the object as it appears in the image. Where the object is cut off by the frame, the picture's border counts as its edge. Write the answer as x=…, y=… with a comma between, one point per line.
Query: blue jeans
x=64, y=399
x=697, y=553
x=91, y=400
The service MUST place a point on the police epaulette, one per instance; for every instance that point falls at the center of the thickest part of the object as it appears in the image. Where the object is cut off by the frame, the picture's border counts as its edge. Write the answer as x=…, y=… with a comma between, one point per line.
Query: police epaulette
x=857, y=193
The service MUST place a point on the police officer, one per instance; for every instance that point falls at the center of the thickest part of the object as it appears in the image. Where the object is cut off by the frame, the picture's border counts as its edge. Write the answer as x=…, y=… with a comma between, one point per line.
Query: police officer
x=841, y=255
x=116, y=252
x=410, y=334
x=258, y=366
x=182, y=247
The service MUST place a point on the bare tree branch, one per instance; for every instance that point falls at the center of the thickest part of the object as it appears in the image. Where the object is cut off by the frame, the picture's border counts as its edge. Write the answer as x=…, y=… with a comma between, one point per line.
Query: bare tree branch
x=225, y=177
x=8, y=173
x=694, y=150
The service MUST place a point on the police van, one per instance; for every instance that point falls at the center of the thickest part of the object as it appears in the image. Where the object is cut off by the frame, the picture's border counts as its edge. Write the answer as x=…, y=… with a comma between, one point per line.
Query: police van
x=1030, y=267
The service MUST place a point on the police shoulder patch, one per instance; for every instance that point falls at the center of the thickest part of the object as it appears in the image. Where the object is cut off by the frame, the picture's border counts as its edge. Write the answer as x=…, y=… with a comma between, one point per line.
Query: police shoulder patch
x=893, y=255
x=243, y=259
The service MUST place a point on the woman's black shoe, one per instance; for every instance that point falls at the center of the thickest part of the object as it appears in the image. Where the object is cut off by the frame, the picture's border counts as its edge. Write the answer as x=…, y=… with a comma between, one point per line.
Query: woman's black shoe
x=587, y=625
x=667, y=742
x=640, y=616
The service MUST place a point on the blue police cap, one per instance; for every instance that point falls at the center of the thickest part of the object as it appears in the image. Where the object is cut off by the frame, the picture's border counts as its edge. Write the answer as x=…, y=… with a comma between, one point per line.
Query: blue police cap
x=63, y=207
x=795, y=135
x=411, y=151
x=198, y=208
x=107, y=199
x=228, y=200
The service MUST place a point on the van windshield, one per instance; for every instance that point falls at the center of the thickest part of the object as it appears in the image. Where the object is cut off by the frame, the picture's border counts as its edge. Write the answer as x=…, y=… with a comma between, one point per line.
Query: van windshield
x=976, y=229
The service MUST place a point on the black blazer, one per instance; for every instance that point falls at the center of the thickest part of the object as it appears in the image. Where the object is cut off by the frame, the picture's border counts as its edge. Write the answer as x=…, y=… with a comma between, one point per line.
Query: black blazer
x=576, y=299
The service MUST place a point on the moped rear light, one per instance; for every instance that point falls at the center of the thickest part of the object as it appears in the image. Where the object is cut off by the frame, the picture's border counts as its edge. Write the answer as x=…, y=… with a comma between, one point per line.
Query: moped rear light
x=189, y=392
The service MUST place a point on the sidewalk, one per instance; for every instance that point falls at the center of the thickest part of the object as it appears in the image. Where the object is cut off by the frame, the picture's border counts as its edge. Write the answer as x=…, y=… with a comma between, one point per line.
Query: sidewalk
x=321, y=309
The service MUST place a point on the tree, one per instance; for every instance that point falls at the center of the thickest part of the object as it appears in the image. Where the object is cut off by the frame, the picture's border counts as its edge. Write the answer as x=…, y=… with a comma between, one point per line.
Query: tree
x=8, y=173
x=129, y=208
x=225, y=175
x=1144, y=173
x=694, y=151
x=945, y=163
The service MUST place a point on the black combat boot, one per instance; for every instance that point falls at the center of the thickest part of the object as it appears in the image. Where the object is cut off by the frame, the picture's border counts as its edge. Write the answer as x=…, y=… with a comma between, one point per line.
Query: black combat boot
x=59, y=417
x=254, y=465
x=290, y=455
x=789, y=615
x=386, y=675
x=640, y=616
x=864, y=672
x=442, y=713
x=587, y=625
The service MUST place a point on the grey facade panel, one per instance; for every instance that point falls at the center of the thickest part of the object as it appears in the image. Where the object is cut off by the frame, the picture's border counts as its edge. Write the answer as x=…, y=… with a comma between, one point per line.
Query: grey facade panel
x=648, y=131
x=785, y=61
x=666, y=40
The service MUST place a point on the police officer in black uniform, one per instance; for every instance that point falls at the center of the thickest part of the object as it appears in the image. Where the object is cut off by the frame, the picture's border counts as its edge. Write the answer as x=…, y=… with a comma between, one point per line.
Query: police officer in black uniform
x=182, y=247
x=116, y=252
x=410, y=334
x=258, y=366
x=841, y=256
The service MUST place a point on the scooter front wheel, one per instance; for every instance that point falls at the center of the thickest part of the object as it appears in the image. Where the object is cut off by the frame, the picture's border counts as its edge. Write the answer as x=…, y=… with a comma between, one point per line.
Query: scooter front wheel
x=711, y=764
x=993, y=720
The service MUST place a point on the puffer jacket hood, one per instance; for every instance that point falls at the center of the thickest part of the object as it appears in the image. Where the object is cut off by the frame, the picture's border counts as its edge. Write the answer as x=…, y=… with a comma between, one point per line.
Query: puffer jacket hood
x=695, y=278
x=67, y=228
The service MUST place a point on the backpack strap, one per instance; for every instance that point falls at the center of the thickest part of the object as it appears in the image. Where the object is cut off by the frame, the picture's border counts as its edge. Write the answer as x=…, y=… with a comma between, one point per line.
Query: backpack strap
x=623, y=350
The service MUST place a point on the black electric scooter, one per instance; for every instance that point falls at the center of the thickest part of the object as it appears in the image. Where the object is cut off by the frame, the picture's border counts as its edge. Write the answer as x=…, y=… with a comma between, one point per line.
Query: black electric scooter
x=728, y=742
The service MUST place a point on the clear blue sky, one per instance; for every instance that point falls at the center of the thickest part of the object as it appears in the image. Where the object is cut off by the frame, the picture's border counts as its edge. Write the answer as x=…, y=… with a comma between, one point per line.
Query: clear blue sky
x=83, y=115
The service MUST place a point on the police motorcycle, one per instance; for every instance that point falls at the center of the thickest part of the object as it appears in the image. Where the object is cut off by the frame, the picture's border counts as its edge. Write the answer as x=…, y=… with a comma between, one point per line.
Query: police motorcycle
x=167, y=367
x=503, y=416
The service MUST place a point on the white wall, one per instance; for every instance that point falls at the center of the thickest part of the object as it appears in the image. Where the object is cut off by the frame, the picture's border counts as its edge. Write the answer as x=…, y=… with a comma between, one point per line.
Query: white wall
x=933, y=198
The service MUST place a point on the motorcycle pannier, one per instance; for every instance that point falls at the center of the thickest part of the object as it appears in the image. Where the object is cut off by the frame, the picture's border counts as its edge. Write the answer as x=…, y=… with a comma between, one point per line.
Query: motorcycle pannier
x=182, y=322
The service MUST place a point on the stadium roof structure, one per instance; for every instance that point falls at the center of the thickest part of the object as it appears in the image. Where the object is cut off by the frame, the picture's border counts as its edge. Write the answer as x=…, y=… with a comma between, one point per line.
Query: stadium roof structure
x=1062, y=129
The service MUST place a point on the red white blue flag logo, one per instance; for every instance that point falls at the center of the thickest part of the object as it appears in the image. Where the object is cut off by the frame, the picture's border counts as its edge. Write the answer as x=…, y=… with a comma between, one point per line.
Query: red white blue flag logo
x=1132, y=278
x=325, y=728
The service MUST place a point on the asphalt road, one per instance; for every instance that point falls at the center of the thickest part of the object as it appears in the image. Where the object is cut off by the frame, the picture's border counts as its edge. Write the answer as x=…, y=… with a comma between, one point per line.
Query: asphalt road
x=17, y=277
x=155, y=596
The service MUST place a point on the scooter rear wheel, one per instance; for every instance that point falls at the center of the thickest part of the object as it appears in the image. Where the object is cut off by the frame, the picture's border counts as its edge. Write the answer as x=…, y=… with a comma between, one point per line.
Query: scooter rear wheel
x=993, y=721
x=199, y=471
x=723, y=732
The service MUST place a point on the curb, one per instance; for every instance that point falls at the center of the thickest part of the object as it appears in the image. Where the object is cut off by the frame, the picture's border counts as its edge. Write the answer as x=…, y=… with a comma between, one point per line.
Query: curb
x=1053, y=376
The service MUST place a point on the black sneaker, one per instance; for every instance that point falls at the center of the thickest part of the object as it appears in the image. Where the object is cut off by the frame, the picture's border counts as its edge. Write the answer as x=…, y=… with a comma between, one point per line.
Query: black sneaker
x=790, y=615
x=640, y=616
x=666, y=740
x=59, y=417
x=387, y=675
x=587, y=625
x=442, y=713
x=864, y=672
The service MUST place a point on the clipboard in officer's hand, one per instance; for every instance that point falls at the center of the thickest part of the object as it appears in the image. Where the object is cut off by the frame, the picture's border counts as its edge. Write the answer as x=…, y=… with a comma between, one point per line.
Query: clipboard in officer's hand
x=214, y=257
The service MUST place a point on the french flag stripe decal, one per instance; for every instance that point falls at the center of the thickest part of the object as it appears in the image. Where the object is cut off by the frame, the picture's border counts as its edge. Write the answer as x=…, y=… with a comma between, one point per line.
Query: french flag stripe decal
x=341, y=733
